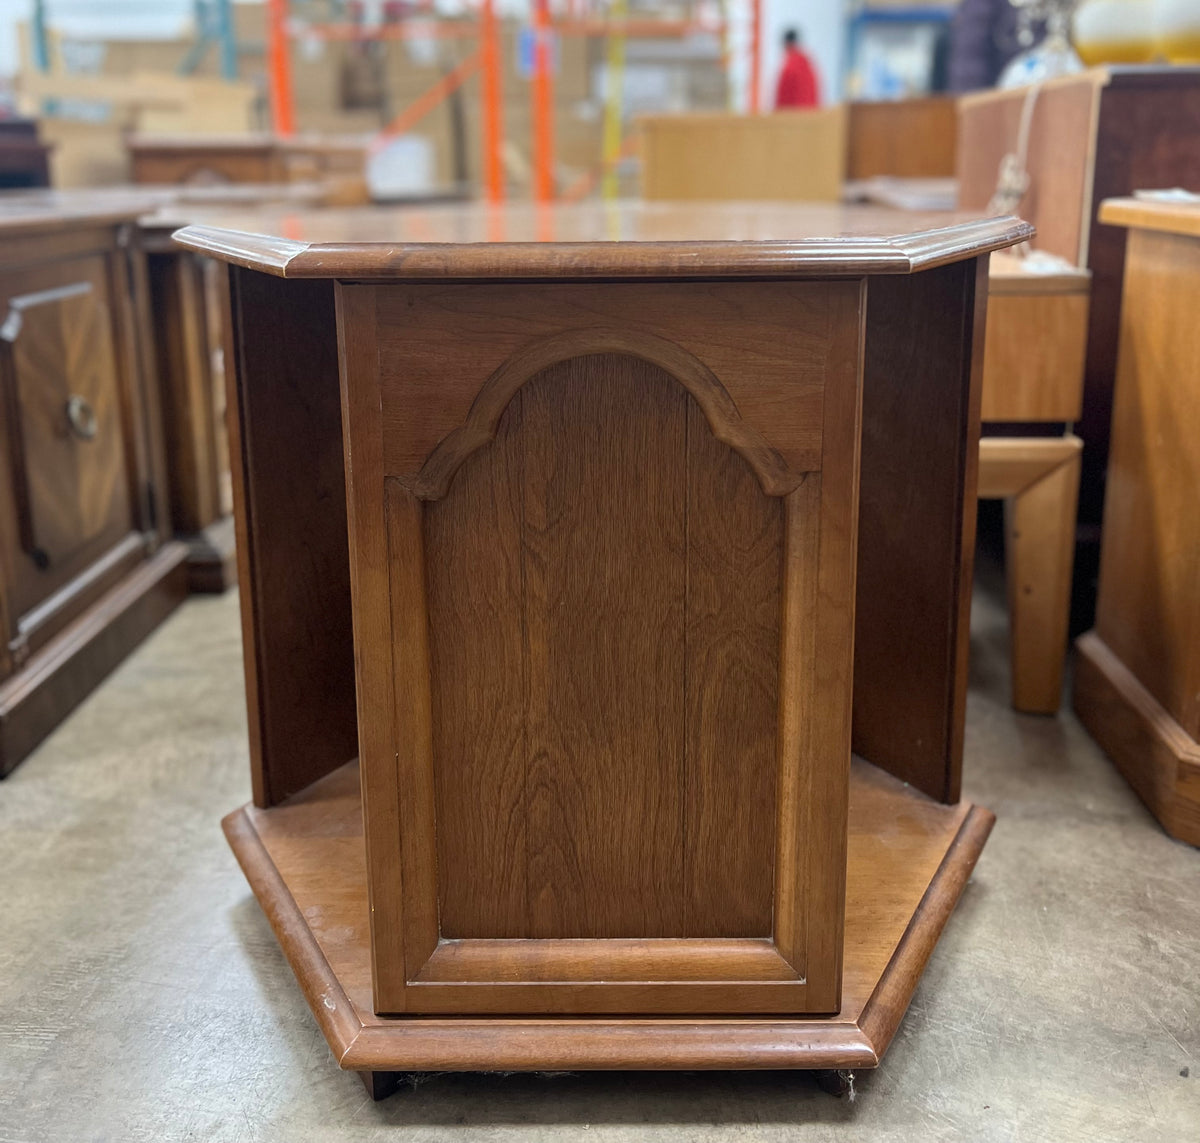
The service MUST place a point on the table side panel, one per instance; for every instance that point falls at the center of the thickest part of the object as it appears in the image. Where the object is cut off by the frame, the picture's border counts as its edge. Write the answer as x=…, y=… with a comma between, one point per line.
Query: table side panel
x=290, y=508
x=920, y=454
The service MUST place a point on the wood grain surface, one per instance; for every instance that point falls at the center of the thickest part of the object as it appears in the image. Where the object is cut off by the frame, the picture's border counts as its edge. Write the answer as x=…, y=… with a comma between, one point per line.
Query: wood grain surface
x=1034, y=356
x=1148, y=608
x=622, y=241
x=920, y=452
x=913, y=138
x=715, y=156
x=83, y=575
x=909, y=859
x=289, y=489
x=583, y=613
x=1138, y=684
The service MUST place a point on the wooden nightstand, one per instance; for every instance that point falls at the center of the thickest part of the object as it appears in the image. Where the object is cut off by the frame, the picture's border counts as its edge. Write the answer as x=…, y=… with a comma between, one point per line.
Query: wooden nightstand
x=550, y=518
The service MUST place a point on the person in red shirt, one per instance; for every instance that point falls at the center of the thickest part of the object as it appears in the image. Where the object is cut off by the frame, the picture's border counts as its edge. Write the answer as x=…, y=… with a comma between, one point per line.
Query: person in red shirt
x=797, y=85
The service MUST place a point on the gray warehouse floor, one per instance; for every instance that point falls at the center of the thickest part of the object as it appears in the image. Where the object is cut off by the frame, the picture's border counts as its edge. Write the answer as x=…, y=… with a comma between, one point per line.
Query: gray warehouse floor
x=142, y=995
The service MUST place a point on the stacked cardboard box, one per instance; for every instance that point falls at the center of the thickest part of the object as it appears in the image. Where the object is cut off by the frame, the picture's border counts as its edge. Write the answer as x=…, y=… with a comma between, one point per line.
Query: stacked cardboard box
x=360, y=85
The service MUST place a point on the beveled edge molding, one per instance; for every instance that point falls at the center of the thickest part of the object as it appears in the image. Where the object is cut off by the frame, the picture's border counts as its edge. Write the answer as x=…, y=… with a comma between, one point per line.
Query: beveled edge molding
x=611, y=260
x=432, y=482
x=883, y=1011
x=1146, y=745
x=510, y=1043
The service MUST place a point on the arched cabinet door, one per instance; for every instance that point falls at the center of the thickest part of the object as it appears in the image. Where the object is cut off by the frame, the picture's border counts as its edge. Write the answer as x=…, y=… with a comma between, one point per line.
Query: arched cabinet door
x=602, y=548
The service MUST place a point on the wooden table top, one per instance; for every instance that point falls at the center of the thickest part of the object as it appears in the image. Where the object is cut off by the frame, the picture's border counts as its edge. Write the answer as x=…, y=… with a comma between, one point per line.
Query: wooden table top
x=173, y=204
x=40, y=210
x=1172, y=216
x=249, y=141
x=599, y=240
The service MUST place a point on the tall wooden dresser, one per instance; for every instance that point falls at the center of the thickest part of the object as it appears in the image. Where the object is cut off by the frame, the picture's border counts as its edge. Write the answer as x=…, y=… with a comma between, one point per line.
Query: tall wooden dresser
x=87, y=567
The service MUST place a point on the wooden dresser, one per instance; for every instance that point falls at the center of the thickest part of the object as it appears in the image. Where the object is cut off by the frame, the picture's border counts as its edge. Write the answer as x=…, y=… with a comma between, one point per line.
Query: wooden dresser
x=1137, y=684
x=575, y=546
x=24, y=158
x=87, y=567
x=338, y=162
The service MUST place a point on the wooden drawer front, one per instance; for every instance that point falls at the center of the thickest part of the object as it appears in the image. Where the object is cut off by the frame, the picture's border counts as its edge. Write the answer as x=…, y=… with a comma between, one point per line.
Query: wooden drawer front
x=604, y=582
x=1034, y=356
x=199, y=167
x=63, y=412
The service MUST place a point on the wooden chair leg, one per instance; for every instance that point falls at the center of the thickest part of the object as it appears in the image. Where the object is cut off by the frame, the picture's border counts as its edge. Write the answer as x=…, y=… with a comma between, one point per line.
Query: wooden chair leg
x=1040, y=549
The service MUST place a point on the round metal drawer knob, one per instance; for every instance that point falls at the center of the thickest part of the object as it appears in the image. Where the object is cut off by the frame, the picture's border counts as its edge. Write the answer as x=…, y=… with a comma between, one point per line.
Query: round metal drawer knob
x=82, y=418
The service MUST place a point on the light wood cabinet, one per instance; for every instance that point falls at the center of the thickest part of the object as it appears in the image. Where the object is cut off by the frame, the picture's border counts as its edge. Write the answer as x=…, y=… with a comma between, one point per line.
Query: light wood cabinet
x=1137, y=686
x=86, y=568
x=1092, y=136
x=787, y=156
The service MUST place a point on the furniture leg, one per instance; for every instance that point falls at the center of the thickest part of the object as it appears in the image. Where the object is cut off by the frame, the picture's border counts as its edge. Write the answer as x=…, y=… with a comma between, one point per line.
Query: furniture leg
x=1039, y=551
x=380, y=1085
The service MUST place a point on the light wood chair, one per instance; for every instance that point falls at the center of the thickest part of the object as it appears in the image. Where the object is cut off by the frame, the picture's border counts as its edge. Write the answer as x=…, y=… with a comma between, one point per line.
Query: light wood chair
x=1033, y=373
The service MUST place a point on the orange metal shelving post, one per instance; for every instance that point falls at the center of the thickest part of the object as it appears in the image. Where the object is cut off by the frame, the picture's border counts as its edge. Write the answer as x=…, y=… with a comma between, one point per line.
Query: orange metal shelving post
x=280, y=67
x=493, y=116
x=543, y=104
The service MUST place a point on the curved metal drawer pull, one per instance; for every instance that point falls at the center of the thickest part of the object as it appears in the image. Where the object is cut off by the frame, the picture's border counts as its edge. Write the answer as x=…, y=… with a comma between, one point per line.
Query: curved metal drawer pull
x=81, y=417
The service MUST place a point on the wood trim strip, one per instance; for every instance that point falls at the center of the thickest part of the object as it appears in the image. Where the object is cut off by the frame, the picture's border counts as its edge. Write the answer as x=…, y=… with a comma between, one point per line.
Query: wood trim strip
x=125, y=552
x=58, y=676
x=1148, y=747
x=368, y=535
x=327, y=1000
x=411, y=749
x=797, y=665
x=636, y=959
x=972, y=344
x=479, y=429
x=1010, y=465
x=237, y=425
x=882, y=1014
x=609, y=1045
x=579, y=261
x=650, y=1043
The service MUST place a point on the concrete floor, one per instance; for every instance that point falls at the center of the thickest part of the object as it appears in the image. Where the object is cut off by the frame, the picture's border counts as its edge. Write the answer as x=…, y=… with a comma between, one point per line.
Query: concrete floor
x=142, y=995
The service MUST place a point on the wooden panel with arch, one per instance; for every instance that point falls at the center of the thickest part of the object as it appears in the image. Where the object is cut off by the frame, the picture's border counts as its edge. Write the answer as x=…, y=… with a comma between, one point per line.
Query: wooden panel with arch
x=604, y=587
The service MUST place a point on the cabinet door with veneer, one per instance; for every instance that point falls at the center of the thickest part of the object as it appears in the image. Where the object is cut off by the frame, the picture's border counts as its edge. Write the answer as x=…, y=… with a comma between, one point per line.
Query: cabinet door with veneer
x=603, y=562
x=69, y=503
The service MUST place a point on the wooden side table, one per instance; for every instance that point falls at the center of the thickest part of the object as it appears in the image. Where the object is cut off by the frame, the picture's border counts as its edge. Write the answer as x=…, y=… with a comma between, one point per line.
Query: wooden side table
x=598, y=473
x=1137, y=684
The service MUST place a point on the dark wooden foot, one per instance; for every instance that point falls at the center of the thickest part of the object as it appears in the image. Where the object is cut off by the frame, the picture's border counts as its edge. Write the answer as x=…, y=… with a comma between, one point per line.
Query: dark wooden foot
x=839, y=1082
x=380, y=1085
x=212, y=558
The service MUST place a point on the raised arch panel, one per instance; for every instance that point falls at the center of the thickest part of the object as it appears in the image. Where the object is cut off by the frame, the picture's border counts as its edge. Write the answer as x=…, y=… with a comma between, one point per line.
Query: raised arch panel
x=603, y=555
x=604, y=628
